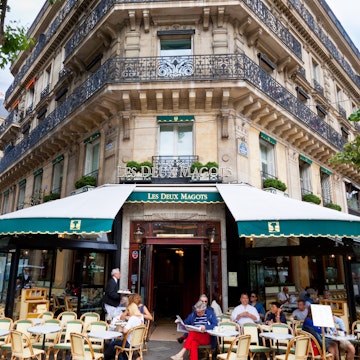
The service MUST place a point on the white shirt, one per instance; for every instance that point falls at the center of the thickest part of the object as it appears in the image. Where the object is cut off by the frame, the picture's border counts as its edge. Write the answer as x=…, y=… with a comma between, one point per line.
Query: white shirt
x=217, y=308
x=132, y=322
x=240, y=309
x=283, y=296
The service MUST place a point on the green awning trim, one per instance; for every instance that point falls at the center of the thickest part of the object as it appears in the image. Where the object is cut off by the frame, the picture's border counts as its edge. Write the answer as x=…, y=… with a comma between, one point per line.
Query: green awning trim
x=286, y=228
x=304, y=158
x=42, y=225
x=38, y=172
x=22, y=182
x=326, y=171
x=58, y=159
x=92, y=137
x=174, y=197
x=172, y=118
x=6, y=192
x=268, y=138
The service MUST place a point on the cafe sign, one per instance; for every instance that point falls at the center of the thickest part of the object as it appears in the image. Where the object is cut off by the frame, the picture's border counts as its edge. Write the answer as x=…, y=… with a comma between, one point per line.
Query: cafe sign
x=174, y=197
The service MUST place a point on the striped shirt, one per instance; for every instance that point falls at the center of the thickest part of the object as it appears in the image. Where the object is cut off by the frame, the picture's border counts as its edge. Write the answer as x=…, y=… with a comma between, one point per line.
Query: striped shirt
x=200, y=320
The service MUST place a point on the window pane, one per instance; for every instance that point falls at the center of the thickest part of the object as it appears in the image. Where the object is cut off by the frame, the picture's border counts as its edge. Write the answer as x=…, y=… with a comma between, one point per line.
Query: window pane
x=185, y=140
x=166, y=140
x=175, y=47
x=57, y=177
x=95, y=160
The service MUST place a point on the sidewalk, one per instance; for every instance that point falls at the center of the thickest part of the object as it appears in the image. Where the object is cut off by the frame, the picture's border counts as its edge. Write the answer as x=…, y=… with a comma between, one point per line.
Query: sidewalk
x=161, y=350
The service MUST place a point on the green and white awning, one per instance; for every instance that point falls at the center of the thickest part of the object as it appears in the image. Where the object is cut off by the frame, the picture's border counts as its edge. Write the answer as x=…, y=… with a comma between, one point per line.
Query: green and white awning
x=86, y=213
x=262, y=214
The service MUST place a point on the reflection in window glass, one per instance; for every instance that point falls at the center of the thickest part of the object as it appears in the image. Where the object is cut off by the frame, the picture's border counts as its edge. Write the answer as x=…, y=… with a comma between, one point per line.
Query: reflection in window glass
x=176, y=139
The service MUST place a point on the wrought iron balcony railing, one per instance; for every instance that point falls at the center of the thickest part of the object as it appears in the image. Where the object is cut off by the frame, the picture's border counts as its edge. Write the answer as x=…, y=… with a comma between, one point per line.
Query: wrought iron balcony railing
x=181, y=68
x=275, y=25
x=342, y=111
x=257, y=6
x=320, y=33
x=318, y=87
x=42, y=41
x=12, y=118
x=45, y=91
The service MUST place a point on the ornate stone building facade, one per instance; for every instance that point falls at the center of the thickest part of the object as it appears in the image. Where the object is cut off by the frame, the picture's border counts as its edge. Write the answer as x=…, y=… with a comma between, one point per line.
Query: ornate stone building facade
x=261, y=87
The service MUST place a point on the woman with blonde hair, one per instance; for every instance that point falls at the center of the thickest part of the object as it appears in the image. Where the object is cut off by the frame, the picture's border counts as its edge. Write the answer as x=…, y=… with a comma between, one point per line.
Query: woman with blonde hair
x=136, y=298
x=135, y=319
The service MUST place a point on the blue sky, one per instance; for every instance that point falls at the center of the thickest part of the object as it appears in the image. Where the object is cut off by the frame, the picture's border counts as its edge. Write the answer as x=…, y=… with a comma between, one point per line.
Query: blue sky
x=25, y=11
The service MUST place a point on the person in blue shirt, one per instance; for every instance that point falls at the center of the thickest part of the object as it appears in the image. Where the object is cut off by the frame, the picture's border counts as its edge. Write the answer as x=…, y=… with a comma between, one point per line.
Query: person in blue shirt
x=276, y=315
x=201, y=317
x=258, y=306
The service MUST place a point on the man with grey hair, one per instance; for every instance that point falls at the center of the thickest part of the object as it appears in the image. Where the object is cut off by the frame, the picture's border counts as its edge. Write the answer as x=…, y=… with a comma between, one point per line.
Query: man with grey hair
x=112, y=298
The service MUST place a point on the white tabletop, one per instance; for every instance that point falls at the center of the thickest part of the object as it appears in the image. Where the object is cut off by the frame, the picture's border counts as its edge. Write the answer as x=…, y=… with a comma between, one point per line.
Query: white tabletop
x=223, y=333
x=44, y=329
x=36, y=321
x=341, y=337
x=4, y=332
x=276, y=336
x=105, y=334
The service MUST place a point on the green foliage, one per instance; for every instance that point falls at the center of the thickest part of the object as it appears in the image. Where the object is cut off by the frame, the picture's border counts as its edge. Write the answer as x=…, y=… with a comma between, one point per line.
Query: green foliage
x=311, y=198
x=147, y=163
x=211, y=164
x=355, y=116
x=84, y=181
x=333, y=206
x=134, y=165
x=350, y=155
x=13, y=41
x=274, y=183
x=196, y=165
x=51, y=196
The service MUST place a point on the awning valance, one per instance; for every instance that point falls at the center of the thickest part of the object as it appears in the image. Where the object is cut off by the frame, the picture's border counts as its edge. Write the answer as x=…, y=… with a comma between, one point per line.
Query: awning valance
x=262, y=214
x=86, y=213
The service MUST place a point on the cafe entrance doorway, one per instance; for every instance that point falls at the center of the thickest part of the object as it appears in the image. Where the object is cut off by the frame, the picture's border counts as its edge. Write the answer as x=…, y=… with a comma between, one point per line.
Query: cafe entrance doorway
x=176, y=279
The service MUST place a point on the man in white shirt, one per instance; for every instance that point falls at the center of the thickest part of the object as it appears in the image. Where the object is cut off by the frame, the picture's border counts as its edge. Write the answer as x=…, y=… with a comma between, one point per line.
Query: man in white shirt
x=245, y=312
x=283, y=296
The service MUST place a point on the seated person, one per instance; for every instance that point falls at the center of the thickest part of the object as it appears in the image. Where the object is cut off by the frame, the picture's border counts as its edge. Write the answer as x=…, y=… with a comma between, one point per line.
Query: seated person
x=284, y=296
x=301, y=312
x=135, y=319
x=345, y=345
x=136, y=298
x=68, y=288
x=215, y=305
x=258, y=306
x=311, y=297
x=276, y=315
x=204, y=318
x=245, y=312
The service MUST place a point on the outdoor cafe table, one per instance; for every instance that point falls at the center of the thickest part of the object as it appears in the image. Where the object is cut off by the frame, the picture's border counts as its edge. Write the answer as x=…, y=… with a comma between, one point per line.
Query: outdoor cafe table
x=4, y=332
x=223, y=333
x=339, y=338
x=277, y=337
x=44, y=330
x=104, y=335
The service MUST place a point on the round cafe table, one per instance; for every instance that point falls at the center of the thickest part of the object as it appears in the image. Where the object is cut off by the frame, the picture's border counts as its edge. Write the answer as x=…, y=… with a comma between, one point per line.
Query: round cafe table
x=277, y=337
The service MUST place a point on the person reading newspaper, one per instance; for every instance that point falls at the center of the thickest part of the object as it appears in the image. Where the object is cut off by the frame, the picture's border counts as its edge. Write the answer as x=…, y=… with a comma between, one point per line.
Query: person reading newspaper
x=197, y=323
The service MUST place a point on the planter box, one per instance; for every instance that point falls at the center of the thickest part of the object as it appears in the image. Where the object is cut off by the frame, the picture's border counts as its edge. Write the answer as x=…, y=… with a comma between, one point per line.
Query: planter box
x=276, y=191
x=83, y=189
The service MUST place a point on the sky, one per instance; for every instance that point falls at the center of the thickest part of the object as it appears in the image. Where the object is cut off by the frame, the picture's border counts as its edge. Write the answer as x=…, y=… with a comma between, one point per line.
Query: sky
x=25, y=11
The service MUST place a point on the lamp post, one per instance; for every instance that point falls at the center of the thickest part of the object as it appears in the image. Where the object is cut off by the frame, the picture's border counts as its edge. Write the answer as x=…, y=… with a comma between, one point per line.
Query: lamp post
x=138, y=237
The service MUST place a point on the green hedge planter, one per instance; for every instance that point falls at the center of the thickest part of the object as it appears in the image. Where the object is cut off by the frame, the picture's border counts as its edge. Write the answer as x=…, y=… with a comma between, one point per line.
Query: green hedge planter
x=311, y=198
x=333, y=206
x=274, y=183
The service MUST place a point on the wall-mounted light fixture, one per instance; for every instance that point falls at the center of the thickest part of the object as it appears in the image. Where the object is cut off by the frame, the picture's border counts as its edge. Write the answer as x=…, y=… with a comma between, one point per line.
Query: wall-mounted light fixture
x=138, y=235
x=212, y=235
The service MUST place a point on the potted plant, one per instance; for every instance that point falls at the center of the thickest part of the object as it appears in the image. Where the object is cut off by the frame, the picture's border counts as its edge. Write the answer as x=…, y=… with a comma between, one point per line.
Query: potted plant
x=86, y=180
x=51, y=196
x=196, y=166
x=134, y=165
x=275, y=184
x=311, y=198
x=333, y=206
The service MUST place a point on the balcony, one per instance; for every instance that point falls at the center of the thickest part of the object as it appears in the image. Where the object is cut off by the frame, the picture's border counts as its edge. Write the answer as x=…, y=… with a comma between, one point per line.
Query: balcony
x=45, y=92
x=43, y=40
x=9, y=128
x=174, y=69
x=342, y=111
x=105, y=7
x=321, y=34
x=318, y=87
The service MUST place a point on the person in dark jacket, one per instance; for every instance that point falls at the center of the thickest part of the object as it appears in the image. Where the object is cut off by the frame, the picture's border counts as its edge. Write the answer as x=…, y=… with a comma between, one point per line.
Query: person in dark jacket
x=276, y=315
x=205, y=319
x=112, y=297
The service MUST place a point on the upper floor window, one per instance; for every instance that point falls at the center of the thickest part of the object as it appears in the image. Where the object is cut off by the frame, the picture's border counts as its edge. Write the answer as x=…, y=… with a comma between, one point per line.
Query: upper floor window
x=316, y=72
x=37, y=193
x=267, y=159
x=92, y=155
x=305, y=175
x=21, y=194
x=176, y=139
x=175, y=46
x=352, y=196
x=325, y=186
x=57, y=175
x=5, y=204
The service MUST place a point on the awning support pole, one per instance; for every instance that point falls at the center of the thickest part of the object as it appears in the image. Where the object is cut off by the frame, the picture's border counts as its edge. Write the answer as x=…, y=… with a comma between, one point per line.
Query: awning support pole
x=9, y=307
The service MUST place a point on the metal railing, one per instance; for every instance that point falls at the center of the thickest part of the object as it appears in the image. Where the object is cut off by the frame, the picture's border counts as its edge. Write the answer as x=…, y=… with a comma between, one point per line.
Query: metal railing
x=181, y=68
x=342, y=111
x=45, y=91
x=42, y=41
x=318, y=87
x=257, y=6
x=321, y=34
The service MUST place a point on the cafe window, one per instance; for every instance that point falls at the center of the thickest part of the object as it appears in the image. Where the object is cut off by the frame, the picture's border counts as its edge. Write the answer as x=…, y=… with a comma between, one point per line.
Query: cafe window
x=176, y=139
